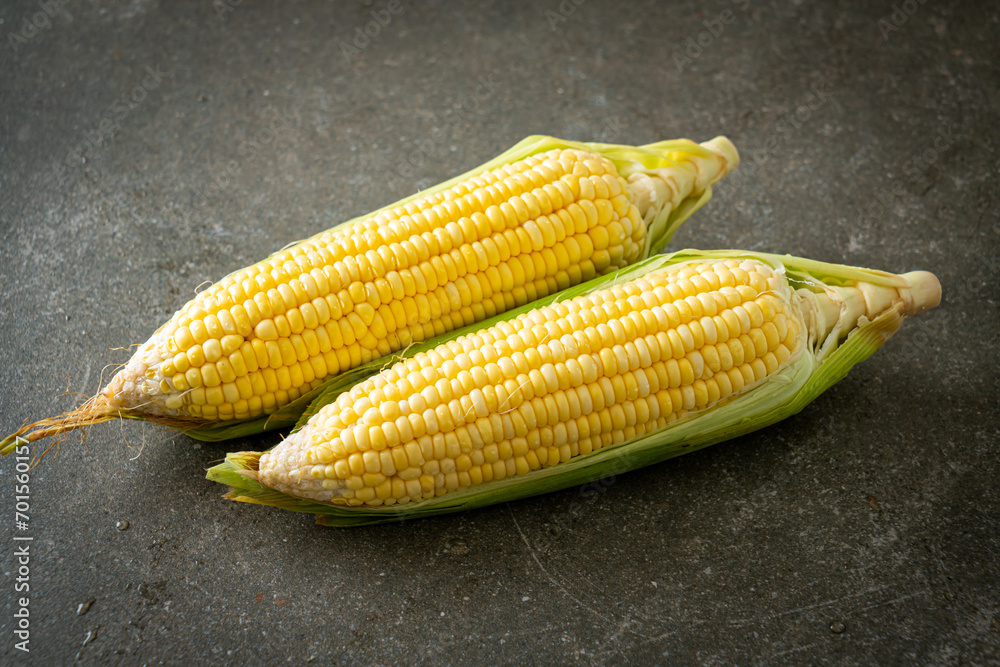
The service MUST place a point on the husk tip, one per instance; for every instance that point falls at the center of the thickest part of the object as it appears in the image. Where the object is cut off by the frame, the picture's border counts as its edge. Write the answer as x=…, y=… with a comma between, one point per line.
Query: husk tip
x=923, y=291
x=722, y=146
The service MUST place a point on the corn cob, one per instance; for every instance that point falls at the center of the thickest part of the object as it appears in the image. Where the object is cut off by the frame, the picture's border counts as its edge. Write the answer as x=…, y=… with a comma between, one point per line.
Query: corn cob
x=252, y=348
x=691, y=349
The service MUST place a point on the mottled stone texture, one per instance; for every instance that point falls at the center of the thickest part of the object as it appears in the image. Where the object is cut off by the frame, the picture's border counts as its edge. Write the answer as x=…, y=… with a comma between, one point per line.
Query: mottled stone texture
x=150, y=146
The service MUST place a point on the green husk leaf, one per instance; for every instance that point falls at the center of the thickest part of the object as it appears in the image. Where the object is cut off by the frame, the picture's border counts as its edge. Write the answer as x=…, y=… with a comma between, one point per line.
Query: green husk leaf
x=783, y=394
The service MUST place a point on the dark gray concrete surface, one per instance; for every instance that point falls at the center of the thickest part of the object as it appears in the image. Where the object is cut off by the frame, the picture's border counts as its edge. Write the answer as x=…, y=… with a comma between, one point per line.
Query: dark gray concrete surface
x=862, y=531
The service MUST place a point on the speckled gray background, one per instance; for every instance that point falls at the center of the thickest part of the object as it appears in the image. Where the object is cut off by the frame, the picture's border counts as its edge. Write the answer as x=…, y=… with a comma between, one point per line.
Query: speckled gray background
x=873, y=512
